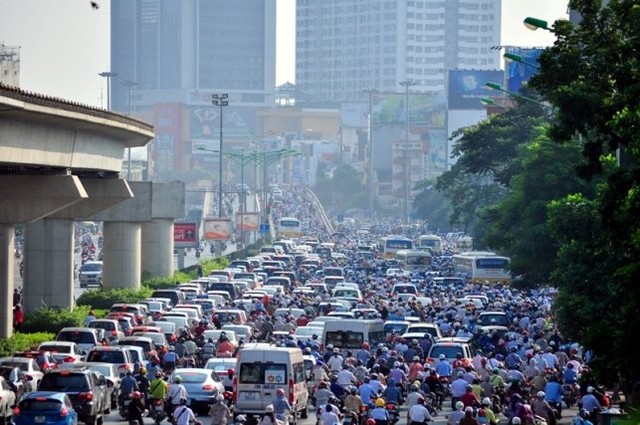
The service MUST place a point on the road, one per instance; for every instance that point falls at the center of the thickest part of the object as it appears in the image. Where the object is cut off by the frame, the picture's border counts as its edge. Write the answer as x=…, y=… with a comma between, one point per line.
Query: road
x=440, y=419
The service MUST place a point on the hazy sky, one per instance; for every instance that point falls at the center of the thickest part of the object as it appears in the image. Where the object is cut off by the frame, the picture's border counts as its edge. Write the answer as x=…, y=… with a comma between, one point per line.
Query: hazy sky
x=65, y=43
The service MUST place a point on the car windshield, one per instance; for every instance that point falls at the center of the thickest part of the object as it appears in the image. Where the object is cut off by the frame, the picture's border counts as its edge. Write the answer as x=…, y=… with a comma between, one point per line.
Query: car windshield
x=191, y=377
x=449, y=351
x=63, y=382
x=38, y=405
x=91, y=267
x=106, y=356
x=77, y=337
x=102, y=369
x=56, y=348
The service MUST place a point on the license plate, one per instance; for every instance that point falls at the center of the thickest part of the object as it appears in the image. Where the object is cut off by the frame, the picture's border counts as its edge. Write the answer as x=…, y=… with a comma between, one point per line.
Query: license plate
x=249, y=395
x=159, y=408
x=39, y=419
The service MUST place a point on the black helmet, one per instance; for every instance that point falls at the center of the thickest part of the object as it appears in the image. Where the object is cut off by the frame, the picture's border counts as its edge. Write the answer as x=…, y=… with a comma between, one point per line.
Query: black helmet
x=183, y=401
x=211, y=340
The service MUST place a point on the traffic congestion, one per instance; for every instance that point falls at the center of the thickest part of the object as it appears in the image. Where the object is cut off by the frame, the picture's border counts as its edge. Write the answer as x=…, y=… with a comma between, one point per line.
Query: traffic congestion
x=323, y=327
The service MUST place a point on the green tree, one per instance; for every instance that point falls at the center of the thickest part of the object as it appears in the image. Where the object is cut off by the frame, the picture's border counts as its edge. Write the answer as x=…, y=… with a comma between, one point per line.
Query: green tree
x=592, y=76
x=340, y=188
x=432, y=206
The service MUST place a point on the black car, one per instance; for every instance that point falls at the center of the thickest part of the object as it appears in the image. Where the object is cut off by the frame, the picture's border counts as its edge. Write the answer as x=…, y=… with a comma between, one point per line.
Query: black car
x=88, y=390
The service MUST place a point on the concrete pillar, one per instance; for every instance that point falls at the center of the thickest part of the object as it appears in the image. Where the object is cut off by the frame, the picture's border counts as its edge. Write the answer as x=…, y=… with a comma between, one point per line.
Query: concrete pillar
x=6, y=279
x=121, y=254
x=48, y=264
x=157, y=247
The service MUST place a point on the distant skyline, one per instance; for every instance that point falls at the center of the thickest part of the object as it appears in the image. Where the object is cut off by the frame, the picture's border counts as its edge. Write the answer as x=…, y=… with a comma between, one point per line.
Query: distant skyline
x=65, y=43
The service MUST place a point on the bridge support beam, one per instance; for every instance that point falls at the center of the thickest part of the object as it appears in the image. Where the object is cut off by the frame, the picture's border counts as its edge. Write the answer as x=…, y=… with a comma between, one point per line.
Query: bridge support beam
x=121, y=254
x=48, y=264
x=6, y=279
x=157, y=247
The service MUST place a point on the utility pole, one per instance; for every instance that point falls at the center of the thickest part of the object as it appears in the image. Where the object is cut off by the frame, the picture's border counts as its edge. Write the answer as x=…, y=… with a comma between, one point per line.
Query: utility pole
x=406, y=84
x=129, y=85
x=221, y=101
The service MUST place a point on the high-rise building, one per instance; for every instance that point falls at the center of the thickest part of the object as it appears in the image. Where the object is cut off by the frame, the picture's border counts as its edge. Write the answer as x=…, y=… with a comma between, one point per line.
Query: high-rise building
x=344, y=47
x=10, y=65
x=172, y=47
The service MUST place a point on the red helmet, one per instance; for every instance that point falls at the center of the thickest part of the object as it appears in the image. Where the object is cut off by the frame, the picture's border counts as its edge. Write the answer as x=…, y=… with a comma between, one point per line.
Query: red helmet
x=365, y=345
x=231, y=371
x=136, y=395
x=371, y=421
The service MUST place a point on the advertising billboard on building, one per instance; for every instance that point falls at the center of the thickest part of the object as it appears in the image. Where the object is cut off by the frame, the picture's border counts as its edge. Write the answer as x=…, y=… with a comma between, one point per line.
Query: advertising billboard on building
x=185, y=235
x=248, y=221
x=424, y=109
x=519, y=73
x=217, y=229
x=467, y=87
x=165, y=154
x=355, y=114
x=237, y=122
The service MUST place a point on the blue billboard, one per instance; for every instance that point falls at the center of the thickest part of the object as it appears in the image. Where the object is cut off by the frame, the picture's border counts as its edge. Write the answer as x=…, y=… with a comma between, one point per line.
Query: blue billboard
x=467, y=87
x=519, y=73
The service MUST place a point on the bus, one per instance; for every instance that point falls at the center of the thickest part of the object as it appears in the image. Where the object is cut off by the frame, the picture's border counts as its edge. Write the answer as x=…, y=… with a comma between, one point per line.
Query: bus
x=412, y=260
x=464, y=244
x=289, y=228
x=481, y=267
x=389, y=245
x=431, y=243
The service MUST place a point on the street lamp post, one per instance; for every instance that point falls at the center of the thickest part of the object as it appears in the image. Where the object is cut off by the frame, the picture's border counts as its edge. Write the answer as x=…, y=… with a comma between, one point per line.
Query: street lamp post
x=496, y=86
x=221, y=101
x=406, y=84
x=108, y=75
x=129, y=85
x=371, y=92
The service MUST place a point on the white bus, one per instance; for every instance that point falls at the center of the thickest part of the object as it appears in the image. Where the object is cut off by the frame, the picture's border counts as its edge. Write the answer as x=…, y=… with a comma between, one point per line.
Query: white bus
x=481, y=266
x=411, y=260
x=464, y=244
x=389, y=245
x=289, y=228
x=431, y=243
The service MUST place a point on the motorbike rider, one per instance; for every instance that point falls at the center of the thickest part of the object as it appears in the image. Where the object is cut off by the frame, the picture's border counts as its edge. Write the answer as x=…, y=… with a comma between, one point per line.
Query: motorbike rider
x=170, y=359
x=392, y=393
x=488, y=411
x=281, y=406
x=208, y=350
x=418, y=413
x=346, y=377
x=352, y=402
x=224, y=347
x=143, y=384
x=183, y=415
x=219, y=411
x=444, y=368
x=542, y=408
x=553, y=394
x=176, y=393
x=379, y=413
x=128, y=385
x=158, y=388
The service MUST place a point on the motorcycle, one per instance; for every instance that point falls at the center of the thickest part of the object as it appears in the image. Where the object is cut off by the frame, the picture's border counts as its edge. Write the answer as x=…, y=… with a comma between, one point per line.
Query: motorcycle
x=158, y=412
x=124, y=406
x=393, y=410
x=569, y=392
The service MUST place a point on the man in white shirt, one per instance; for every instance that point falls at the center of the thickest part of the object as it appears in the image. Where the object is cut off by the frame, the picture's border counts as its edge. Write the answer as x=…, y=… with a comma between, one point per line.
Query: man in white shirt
x=335, y=361
x=183, y=415
x=176, y=393
x=419, y=414
x=346, y=377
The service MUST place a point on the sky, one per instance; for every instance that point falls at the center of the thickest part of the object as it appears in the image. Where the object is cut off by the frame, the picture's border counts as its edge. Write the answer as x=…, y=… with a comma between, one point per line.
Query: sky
x=64, y=44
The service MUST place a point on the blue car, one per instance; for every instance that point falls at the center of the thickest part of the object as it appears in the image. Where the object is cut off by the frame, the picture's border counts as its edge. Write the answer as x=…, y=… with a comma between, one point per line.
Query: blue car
x=45, y=407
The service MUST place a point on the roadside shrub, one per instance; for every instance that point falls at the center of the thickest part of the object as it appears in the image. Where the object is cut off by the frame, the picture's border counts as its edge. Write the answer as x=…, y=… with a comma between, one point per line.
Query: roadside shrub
x=23, y=341
x=52, y=319
x=104, y=299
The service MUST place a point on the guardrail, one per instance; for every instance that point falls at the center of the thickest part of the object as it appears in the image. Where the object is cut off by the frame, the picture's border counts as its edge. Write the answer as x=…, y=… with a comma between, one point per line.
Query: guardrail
x=318, y=205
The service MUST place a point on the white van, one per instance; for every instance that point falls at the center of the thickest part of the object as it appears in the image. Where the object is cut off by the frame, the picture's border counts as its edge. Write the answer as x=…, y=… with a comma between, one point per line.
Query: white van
x=261, y=370
x=349, y=334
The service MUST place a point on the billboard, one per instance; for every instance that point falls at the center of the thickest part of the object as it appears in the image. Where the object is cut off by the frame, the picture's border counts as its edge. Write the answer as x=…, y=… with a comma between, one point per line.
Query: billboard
x=424, y=109
x=248, y=221
x=167, y=125
x=355, y=114
x=237, y=122
x=217, y=229
x=519, y=73
x=185, y=235
x=467, y=87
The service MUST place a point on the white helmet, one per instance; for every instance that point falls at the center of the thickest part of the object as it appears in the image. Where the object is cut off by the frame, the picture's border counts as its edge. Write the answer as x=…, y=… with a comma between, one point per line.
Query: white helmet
x=459, y=405
x=396, y=364
x=516, y=421
x=486, y=401
x=541, y=394
x=219, y=397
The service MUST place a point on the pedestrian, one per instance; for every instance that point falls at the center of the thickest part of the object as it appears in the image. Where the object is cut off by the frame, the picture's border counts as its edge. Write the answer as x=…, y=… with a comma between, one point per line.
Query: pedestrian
x=18, y=318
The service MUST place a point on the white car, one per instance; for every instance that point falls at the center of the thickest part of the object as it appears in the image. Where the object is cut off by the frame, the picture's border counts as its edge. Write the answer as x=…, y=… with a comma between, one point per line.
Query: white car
x=28, y=366
x=63, y=351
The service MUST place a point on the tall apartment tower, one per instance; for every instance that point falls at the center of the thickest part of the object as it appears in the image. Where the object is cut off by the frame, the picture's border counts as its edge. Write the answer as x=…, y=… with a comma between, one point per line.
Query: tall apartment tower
x=344, y=47
x=10, y=65
x=177, y=46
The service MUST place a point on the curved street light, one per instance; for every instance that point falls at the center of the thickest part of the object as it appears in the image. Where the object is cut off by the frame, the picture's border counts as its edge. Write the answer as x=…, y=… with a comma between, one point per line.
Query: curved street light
x=535, y=23
x=518, y=58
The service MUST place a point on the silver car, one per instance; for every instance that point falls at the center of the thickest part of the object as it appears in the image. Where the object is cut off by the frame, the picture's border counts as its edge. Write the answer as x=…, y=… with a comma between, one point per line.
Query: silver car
x=202, y=385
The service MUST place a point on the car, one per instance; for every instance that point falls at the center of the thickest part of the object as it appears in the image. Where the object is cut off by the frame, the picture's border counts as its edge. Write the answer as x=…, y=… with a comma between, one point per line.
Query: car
x=215, y=335
x=342, y=314
x=422, y=327
x=144, y=342
x=111, y=326
x=7, y=400
x=288, y=311
x=158, y=339
x=90, y=274
x=139, y=310
x=44, y=359
x=86, y=338
x=167, y=328
x=87, y=390
x=28, y=366
x=306, y=333
x=45, y=407
x=449, y=348
x=17, y=380
x=63, y=351
x=114, y=354
x=221, y=366
x=109, y=371
x=495, y=318
x=244, y=332
x=202, y=385
x=230, y=315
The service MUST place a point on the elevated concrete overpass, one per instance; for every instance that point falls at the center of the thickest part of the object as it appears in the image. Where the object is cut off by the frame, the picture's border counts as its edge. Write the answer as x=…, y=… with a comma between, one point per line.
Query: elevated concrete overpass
x=60, y=162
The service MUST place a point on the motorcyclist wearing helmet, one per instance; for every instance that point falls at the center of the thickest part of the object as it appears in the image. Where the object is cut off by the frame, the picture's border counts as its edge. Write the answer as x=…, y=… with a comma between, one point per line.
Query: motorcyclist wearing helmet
x=143, y=384
x=488, y=411
x=128, y=385
x=541, y=408
x=418, y=413
x=136, y=408
x=224, y=347
x=363, y=353
x=183, y=415
x=379, y=413
x=176, y=393
x=219, y=411
x=208, y=350
x=393, y=394
x=352, y=402
x=281, y=406
x=346, y=377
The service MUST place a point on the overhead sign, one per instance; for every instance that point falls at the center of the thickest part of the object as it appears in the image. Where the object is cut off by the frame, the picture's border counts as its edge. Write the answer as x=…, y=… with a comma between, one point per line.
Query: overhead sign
x=217, y=229
x=248, y=221
x=467, y=87
x=185, y=235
